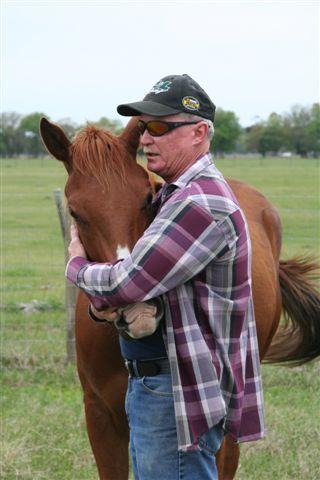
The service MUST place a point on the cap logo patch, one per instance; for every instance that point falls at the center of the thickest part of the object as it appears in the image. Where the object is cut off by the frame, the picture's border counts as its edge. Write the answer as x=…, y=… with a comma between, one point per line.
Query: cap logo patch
x=160, y=87
x=191, y=103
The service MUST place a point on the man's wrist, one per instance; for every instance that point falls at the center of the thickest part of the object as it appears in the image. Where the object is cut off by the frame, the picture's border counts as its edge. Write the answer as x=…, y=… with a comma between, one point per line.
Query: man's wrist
x=73, y=266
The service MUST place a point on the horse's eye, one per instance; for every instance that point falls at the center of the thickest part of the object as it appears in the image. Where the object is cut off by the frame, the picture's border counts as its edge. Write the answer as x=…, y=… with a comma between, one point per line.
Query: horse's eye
x=148, y=201
x=77, y=217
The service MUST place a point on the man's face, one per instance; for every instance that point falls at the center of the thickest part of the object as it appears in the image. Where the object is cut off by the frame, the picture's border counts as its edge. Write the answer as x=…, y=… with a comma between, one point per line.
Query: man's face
x=170, y=154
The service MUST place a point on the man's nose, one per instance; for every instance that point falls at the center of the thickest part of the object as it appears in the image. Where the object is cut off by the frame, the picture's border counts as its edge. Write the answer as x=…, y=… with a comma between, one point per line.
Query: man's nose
x=146, y=138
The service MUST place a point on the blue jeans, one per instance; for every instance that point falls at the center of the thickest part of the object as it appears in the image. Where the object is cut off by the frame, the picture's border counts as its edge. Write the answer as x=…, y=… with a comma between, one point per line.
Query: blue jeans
x=153, y=436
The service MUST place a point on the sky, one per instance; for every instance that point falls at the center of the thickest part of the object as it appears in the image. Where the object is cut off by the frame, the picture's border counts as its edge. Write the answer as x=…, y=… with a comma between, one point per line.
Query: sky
x=80, y=59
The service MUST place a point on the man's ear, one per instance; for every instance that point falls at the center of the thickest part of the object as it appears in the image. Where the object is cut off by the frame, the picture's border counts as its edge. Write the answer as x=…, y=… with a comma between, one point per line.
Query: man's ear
x=56, y=142
x=200, y=132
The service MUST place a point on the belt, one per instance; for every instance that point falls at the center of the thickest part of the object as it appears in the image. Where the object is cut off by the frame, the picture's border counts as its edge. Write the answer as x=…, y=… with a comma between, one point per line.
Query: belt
x=147, y=368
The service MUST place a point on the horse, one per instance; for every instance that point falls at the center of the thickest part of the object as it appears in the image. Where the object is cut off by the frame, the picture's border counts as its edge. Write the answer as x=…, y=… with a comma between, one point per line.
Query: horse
x=109, y=195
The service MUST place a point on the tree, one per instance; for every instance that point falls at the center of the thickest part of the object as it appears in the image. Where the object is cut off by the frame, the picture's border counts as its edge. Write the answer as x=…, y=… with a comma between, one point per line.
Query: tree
x=29, y=126
x=272, y=135
x=297, y=123
x=115, y=126
x=227, y=132
x=313, y=130
x=69, y=127
x=253, y=137
x=12, y=140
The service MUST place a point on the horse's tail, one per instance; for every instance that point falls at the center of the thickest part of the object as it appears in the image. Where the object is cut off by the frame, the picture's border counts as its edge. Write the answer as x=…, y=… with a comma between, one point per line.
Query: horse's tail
x=297, y=341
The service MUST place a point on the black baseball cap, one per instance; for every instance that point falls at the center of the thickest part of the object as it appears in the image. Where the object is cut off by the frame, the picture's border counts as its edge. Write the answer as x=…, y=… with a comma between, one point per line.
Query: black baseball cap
x=172, y=94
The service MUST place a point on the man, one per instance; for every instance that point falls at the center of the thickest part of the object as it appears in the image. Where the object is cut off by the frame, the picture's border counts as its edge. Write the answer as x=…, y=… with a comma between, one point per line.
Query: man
x=198, y=375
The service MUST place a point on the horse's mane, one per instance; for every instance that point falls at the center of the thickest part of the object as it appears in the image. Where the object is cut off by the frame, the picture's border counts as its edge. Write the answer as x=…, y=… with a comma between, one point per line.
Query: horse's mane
x=98, y=153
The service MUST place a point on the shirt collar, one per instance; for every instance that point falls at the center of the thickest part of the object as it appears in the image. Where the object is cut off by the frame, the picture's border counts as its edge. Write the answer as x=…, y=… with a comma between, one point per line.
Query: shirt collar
x=186, y=177
x=197, y=167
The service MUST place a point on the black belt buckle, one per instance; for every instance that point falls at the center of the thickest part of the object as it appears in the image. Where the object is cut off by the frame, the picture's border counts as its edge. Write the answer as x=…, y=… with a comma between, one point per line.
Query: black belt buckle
x=128, y=365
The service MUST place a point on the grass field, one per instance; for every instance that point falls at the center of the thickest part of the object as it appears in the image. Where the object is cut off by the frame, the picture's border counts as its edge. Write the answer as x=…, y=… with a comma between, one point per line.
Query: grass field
x=43, y=428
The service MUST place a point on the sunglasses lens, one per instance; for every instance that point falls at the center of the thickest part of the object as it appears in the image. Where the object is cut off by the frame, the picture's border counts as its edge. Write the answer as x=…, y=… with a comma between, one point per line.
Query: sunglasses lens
x=157, y=128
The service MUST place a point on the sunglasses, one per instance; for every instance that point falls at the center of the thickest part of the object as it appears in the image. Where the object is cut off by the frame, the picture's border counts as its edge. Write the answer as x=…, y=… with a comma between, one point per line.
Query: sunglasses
x=157, y=128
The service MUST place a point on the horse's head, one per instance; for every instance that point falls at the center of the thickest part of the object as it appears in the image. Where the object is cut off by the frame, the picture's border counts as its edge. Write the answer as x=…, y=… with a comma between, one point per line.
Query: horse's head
x=109, y=194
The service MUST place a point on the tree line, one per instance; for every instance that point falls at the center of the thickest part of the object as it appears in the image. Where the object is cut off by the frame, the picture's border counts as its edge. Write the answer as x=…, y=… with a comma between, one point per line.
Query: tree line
x=297, y=132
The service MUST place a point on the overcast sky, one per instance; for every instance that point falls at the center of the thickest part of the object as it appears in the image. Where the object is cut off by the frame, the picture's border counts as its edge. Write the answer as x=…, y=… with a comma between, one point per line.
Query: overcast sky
x=80, y=59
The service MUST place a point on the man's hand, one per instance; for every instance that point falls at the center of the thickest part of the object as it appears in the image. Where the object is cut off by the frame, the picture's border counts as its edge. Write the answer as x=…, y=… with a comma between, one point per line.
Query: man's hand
x=75, y=248
x=139, y=312
x=109, y=314
x=138, y=320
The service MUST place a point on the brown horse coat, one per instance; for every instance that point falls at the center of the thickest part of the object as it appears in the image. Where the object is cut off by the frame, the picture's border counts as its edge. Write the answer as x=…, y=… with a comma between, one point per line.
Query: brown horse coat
x=103, y=179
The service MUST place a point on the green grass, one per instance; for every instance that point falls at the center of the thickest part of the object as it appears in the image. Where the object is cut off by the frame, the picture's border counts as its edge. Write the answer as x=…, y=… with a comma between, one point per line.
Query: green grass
x=292, y=185
x=43, y=428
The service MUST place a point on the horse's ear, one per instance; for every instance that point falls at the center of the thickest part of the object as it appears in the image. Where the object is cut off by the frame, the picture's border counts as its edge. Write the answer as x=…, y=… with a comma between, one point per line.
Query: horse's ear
x=131, y=135
x=55, y=141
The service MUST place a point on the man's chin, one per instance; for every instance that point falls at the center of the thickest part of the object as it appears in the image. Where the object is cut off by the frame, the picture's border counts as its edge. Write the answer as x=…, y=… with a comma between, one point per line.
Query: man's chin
x=154, y=167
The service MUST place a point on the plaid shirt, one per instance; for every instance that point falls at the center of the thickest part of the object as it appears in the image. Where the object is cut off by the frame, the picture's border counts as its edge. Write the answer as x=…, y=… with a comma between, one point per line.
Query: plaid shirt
x=197, y=255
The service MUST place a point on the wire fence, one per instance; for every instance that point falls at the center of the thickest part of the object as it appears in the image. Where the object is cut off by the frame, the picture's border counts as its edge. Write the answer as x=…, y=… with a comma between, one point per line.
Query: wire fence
x=37, y=306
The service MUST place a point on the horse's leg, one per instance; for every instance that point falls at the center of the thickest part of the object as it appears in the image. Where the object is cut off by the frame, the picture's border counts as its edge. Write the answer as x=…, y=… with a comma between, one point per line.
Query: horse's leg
x=109, y=438
x=227, y=459
x=104, y=382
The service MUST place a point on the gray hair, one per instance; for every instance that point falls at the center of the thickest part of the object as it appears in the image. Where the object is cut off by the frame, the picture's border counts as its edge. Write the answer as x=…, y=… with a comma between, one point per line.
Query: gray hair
x=196, y=118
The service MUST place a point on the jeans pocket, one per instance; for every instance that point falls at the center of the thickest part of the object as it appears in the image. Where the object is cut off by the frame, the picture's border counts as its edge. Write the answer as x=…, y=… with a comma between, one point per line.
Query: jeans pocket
x=211, y=440
x=159, y=385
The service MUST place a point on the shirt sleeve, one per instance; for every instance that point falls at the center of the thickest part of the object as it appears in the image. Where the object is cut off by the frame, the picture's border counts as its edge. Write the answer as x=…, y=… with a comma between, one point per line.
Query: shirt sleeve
x=179, y=243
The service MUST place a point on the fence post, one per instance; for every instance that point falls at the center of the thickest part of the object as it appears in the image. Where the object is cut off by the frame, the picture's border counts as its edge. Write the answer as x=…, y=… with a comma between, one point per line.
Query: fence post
x=71, y=290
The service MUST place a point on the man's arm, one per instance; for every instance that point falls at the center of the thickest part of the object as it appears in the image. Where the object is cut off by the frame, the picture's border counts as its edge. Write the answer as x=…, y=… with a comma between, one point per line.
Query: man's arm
x=178, y=244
